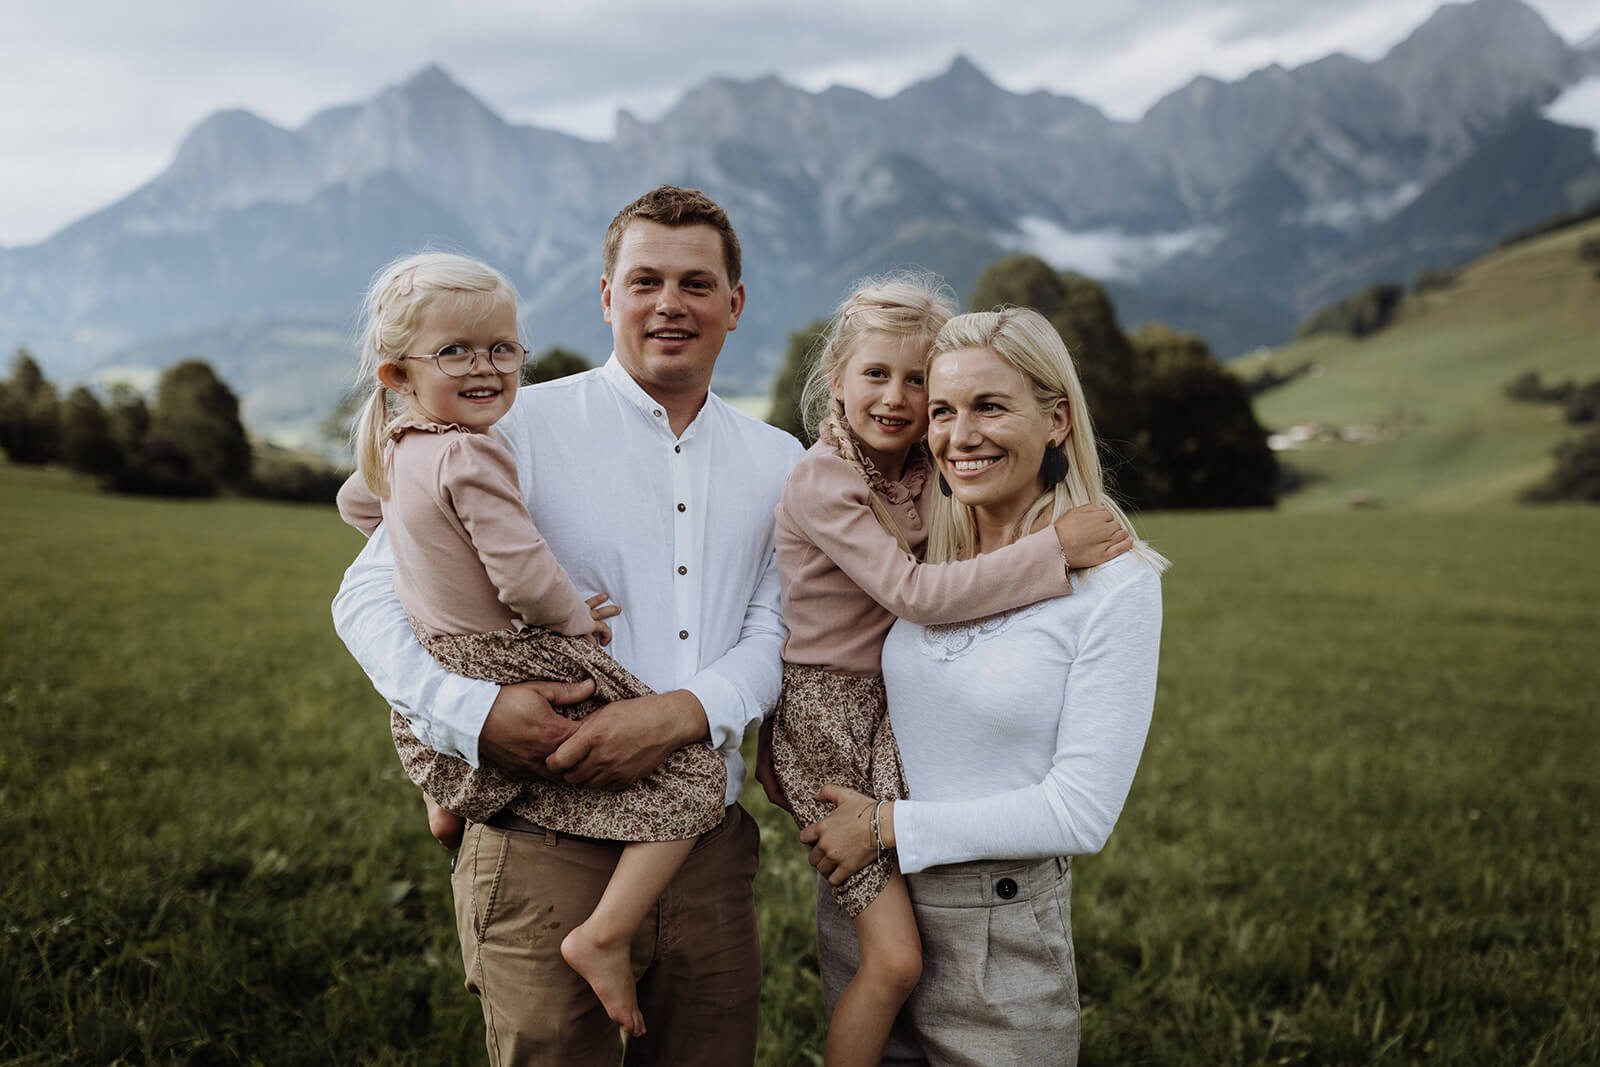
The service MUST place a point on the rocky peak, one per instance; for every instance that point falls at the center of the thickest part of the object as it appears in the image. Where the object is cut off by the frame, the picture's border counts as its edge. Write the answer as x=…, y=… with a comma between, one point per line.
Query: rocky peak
x=230, y=158
x=962, y=87
x=229, y=139
x=1476, y=62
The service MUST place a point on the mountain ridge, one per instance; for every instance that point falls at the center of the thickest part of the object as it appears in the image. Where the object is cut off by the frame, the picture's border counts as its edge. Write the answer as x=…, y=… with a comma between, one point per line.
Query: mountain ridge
x=1300, y=173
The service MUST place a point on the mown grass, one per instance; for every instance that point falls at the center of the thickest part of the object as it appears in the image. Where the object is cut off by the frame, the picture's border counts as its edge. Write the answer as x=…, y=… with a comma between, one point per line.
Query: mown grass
x=1436, y=377
x=1362, y=833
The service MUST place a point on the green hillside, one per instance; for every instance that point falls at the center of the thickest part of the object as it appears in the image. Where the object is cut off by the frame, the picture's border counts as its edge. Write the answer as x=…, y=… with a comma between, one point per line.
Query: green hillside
x=1427, y=391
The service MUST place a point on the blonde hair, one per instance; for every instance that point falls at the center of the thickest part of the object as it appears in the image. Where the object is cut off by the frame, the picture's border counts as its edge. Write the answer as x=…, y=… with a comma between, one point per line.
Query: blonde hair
x=909, y=306
x=392, y=315
x=1026, y=340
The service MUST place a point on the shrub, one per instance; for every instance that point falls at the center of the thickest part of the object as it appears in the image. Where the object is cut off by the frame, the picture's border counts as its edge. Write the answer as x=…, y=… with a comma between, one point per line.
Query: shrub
x=1359, y=315
x=281, y=475
x=554, y=362
x=162, y=468
x=1577, y=473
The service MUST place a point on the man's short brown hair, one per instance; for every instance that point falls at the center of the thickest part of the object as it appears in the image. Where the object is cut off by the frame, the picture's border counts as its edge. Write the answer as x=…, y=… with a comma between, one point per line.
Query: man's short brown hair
x=671, y=205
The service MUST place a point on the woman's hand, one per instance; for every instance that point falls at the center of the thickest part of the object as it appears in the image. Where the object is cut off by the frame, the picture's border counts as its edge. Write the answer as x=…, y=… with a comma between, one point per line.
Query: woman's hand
x=842, y=839
x=1090, y=536
x=599, y=611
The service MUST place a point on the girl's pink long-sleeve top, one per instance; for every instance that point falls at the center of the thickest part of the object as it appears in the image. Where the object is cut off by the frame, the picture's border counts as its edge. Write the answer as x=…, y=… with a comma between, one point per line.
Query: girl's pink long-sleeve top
x=468, y=558
x=845, y=580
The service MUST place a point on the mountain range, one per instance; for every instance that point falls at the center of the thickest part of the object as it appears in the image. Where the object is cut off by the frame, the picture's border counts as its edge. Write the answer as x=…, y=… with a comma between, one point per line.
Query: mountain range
x=1230, y=209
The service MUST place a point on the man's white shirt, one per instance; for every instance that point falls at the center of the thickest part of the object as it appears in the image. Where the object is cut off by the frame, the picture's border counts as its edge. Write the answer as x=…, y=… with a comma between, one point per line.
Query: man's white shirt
x=677, y=530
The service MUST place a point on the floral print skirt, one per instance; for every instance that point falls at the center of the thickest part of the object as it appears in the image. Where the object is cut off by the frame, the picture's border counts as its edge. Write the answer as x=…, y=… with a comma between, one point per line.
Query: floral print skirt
x=832, y=728
x=682, y=798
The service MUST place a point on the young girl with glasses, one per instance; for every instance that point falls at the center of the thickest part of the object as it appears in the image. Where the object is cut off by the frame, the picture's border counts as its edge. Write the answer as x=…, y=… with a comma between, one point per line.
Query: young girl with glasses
x=487, y=598
x=850, y=525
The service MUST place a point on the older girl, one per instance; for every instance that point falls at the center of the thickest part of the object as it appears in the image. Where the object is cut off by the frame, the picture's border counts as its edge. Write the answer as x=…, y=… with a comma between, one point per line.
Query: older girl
x=1020, y=733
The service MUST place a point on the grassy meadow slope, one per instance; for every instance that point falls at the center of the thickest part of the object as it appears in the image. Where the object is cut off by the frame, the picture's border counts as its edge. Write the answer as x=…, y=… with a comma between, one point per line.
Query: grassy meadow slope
x=1432, y=384
x=1362, y=831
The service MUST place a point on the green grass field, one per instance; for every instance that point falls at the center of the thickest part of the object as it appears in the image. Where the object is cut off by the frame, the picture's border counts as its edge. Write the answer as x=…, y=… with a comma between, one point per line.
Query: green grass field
x=1363, y=831
x=1438, y=373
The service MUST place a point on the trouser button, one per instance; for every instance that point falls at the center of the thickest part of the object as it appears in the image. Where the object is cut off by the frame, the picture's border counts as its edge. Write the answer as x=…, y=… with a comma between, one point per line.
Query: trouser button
x=1005, y=888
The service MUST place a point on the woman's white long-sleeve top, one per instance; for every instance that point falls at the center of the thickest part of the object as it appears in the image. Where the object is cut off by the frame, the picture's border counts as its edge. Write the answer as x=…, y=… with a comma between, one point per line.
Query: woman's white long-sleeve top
x=1020, y=733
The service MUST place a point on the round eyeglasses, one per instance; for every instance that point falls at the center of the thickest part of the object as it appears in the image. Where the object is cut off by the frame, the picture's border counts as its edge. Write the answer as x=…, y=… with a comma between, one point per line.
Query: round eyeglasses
x=506, y=357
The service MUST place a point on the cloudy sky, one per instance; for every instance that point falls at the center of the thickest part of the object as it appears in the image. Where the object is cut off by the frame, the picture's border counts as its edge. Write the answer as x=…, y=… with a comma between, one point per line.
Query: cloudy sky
x=101, y=91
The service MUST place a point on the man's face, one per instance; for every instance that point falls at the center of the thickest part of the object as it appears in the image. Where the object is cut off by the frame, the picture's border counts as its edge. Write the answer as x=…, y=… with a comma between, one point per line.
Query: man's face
x=670, y=305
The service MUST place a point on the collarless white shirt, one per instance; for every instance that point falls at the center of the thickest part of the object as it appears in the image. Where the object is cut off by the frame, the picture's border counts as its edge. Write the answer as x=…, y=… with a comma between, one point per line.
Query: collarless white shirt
x=677, y=529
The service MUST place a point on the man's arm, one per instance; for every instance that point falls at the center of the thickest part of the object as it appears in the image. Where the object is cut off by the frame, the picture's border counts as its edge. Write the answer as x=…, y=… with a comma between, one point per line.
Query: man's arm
x=623, y=742
x=512, y=726
x=740, y=687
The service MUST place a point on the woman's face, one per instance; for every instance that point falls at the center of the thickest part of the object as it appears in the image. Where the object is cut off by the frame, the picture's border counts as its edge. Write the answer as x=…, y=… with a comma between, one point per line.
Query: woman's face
x=987, y=433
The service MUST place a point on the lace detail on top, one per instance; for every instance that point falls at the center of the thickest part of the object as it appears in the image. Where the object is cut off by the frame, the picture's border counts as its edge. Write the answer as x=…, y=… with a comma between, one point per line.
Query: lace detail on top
x=952, y=640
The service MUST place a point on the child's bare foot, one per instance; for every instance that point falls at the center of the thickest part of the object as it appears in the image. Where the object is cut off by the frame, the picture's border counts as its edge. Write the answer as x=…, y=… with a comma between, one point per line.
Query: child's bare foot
x=446, y=826
x=609, y=972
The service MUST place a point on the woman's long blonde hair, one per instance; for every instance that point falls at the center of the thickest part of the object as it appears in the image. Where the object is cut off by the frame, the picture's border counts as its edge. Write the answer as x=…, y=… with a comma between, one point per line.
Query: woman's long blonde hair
x=1026, y=340
x=909, y=306
x=391, y=317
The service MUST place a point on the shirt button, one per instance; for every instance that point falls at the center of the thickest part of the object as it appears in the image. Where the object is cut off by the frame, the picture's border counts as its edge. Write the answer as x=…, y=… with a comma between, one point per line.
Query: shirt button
x=683, y=507
x=683, y=570
x=658, y=413
x=683, y=635
x=1005, y=889
x=677, y=448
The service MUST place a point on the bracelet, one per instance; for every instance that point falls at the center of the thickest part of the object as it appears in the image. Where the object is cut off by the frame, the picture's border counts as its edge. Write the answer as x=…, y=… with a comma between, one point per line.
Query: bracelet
x=877, y=834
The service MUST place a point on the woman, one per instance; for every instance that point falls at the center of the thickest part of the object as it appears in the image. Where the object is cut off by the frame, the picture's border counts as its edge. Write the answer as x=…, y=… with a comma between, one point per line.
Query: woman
x=1020, y=733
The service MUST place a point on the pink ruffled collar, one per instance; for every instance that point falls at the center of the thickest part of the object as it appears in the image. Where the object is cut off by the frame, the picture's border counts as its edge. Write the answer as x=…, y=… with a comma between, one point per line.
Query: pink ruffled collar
x=912, y=480
x=411, y=421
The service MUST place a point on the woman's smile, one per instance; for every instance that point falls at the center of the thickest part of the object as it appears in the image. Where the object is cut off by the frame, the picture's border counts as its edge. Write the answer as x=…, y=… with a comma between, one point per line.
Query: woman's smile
x=987, y=433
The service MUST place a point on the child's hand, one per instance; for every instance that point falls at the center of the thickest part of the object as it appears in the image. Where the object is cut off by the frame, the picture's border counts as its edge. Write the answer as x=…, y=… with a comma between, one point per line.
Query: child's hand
x=1090, y=536
x=600, y=610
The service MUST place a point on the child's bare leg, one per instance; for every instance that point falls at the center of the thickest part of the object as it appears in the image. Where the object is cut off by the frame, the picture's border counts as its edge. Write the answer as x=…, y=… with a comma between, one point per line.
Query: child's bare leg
x=598, y=947
x=891, y=965
x=446, y=826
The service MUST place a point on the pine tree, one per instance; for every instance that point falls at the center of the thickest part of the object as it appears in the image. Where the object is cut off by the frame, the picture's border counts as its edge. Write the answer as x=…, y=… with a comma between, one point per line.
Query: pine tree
x=30, y=415
x=198, y=414
x=87, y=442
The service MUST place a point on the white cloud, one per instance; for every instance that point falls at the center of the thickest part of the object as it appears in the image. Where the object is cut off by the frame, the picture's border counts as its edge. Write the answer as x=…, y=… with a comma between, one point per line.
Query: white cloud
x=1102, y=254
x=1579, y=106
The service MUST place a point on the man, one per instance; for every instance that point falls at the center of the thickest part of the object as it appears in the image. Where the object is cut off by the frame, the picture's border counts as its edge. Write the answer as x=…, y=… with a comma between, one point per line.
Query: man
x=652, y=490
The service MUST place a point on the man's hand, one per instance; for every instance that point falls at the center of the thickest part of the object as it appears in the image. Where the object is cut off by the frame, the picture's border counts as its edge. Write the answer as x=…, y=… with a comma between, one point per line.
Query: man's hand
x=764, y=772
x=1090, y=536
x=622, y=742
x=523, y=729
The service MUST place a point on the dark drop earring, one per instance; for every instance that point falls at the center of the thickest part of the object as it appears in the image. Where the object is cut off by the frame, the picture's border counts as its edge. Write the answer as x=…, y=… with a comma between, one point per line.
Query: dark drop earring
x=1053, y=466
x=944, y=486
